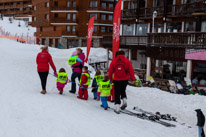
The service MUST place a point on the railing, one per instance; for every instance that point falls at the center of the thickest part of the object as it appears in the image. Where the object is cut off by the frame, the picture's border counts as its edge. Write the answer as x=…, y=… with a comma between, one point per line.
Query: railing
x=168, y=10
x=63, y=20
x=184, y=40
x=126, y=41
x=69, y=33
x=63, y=8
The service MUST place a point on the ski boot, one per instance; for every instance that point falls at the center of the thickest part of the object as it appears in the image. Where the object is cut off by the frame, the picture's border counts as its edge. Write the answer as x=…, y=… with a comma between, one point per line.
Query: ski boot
x=117, y=109
x=43, y=92
x=124, y=105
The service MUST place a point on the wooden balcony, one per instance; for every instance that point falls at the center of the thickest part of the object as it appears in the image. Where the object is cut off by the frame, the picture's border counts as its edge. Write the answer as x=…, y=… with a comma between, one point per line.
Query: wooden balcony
x=69, y=33
x=126, y=41
x=59, y=8
x=183, y=10
x=196, y=40
x=63, y=20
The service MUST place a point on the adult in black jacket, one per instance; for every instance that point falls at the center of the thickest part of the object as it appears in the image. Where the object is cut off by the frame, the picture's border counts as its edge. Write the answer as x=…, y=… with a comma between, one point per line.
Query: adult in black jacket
x=200, y=122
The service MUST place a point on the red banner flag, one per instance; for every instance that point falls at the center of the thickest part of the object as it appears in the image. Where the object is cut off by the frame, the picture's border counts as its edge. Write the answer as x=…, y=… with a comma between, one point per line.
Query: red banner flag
x=116, y=27
x=89, y=36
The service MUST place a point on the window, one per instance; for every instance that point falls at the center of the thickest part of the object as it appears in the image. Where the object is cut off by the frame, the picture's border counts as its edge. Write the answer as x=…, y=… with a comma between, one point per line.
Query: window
x=91, y=15
x=73, y=43
x=203, y=26
x=56, y=15
x=68, y=3
x=73, y=28
x=190, y=26
x=174, y=27
x=74, y=3
x=110, y=17
x=77, y=43
x=47, y=4
x=34, y=7
x=111, y=6
x=134, y=54
x=68, y=16
x=83, y=43
x=56, y=3
x=95, y=29
x=47, y=16
x=68, y=28
x=69, y=43
x=74, y=17
x=103, y=29
x=104, y=5
x=55, y=28
x=103, y=17
x=128, y=30
x=34, y=18
x=141, y=29
x=110, y=29
x=93, y=3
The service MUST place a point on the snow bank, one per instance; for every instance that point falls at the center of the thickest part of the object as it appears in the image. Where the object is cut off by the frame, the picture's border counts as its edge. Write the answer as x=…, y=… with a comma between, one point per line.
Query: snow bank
x=25, y=112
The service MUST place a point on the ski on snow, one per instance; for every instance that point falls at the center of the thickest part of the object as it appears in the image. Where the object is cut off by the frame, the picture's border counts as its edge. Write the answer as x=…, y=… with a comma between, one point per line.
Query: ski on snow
x=145, y=117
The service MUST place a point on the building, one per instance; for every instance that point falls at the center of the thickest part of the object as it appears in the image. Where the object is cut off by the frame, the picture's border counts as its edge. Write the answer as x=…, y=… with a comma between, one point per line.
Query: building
x=166, y=46
x=65, y=22
x=19, y=9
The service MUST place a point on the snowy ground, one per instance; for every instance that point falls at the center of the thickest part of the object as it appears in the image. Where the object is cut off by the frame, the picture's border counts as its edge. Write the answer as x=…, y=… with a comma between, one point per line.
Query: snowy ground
x=14, y=29
x=26, y=113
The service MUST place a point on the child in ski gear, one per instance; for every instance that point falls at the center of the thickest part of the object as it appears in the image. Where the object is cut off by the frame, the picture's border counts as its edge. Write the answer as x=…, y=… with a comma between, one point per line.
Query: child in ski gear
x=74, y=58
x=200, y=122
x=104, y=91
x=43, y=61
x=62, y=79
x=84, y=83
x=122, y=69
x=112, y=97
x=77, y=70
x=96, y=81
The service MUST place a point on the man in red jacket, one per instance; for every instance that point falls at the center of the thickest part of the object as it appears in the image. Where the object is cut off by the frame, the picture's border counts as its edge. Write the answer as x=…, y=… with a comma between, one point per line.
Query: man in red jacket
x=43, y=60
x=122, y=69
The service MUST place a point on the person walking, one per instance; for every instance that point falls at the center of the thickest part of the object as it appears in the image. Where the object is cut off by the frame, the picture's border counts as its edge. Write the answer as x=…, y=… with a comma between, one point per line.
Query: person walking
x=43, y=60
x=77, y=69
x=122, y=69
x=200, y=122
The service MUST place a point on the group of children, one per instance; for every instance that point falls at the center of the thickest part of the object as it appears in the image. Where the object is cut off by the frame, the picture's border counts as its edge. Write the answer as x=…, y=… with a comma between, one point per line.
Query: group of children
x=102, y=87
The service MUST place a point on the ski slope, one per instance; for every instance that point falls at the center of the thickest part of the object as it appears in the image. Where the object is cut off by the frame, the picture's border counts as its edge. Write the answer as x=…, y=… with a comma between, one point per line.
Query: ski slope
x=24, y=112
x=13, y=28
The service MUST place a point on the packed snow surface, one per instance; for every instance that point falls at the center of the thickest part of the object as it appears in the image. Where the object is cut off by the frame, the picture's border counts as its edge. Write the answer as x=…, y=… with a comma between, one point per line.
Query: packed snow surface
x=14, y=29
x=27, y=113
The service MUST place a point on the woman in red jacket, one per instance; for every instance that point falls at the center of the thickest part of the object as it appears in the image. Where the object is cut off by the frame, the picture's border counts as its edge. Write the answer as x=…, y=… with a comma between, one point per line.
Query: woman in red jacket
x=43, y=60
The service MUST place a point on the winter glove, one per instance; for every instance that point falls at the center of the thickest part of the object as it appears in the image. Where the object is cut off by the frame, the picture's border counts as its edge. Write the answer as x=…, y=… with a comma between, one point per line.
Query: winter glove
x=111, y=81
x=132, y=82
x=55, y=73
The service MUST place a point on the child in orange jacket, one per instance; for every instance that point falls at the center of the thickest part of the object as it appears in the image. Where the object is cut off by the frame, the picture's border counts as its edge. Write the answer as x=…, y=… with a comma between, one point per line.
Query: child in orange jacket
x=84, y=83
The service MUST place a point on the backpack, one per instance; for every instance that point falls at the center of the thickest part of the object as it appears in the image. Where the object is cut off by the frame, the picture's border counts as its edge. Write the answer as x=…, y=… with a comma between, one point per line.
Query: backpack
x=120, y=70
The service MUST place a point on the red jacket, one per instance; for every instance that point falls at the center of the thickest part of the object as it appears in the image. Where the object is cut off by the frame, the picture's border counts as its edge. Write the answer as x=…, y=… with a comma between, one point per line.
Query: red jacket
x=128, y=68
x=84, y=80
x=43, y=60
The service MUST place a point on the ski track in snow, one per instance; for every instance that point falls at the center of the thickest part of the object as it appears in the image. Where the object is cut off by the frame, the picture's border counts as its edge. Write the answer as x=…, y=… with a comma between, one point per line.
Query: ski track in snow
x=25, y=112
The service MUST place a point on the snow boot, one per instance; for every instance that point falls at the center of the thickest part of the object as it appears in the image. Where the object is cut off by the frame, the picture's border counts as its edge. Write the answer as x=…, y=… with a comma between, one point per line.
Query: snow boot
x=117, y=109
x=124, y=105
x=43, y=92
x=112, y=101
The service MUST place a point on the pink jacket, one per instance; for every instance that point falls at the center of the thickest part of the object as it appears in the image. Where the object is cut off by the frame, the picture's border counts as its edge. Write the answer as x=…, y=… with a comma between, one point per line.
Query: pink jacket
x=78, y=66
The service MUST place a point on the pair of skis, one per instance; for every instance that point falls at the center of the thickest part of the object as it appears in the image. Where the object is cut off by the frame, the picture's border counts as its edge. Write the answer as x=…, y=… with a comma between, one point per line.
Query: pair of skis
x=145, y=116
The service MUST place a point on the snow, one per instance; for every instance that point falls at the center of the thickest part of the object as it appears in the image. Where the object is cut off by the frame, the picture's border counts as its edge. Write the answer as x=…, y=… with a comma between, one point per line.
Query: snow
x=25, y=112
x=14, y=29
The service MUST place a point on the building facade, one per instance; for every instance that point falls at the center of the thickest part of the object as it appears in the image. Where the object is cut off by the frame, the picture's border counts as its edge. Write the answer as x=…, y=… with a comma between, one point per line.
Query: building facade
x=162, y=42
x=65, y=22
x=20, y=9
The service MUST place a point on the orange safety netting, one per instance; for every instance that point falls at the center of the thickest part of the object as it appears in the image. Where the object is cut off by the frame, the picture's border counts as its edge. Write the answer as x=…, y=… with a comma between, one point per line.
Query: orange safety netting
x=11, y=37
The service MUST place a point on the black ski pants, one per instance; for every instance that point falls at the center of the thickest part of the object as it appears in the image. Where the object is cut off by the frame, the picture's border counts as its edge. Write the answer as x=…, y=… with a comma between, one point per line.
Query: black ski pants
x=120, y=90
x=43, y=77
